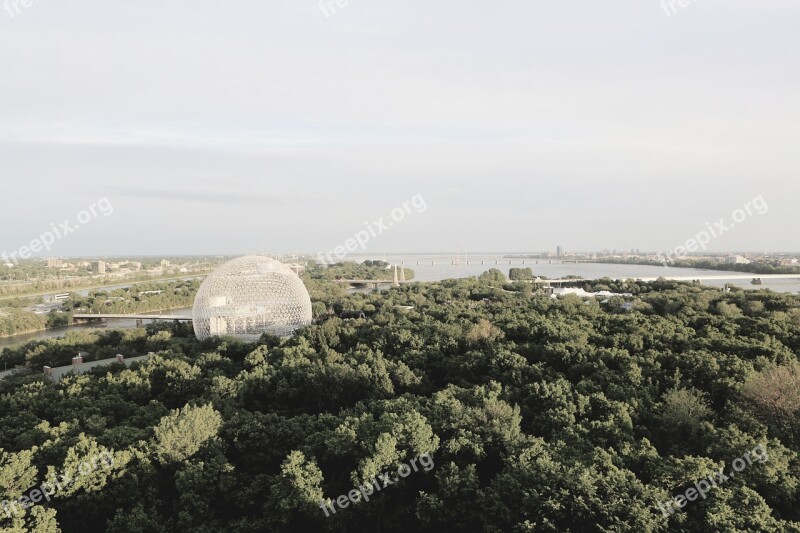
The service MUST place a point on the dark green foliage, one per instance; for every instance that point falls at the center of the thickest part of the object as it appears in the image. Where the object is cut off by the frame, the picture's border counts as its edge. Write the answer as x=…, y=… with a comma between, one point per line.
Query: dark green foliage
x=520, y=274
x=562, y=415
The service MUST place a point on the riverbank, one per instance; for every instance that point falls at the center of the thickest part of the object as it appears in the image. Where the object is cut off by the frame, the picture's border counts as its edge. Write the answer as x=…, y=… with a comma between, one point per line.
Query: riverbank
x=753, y=268
x=26, y=332
x=107, y=284
x=117, y=323
x=41, y=330
x=120, y=299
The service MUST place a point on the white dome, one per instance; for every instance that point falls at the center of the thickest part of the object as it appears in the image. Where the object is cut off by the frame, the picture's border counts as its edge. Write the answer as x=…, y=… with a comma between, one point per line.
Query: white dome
x=249, y=296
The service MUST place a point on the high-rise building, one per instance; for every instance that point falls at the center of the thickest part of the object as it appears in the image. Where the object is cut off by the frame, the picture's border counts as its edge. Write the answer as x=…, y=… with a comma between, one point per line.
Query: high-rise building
x=54, y=263
x=559, y=252
x=99, y=267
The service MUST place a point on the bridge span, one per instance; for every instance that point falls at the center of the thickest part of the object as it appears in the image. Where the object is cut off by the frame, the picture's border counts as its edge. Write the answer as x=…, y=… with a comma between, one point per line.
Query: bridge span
x=87, y=317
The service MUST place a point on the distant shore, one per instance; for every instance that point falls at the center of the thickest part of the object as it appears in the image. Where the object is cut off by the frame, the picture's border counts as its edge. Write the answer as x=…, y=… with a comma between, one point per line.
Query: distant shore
x=752, y=268
x=109, y=283
x=40, y=330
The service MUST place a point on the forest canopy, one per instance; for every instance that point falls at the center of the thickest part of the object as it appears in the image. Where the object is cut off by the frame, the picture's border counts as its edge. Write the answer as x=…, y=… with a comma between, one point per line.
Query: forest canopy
x=538, y=414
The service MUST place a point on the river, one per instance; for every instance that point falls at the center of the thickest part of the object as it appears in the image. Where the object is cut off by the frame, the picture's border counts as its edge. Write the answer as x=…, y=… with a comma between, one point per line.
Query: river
x=116, y=323
x=425, y=270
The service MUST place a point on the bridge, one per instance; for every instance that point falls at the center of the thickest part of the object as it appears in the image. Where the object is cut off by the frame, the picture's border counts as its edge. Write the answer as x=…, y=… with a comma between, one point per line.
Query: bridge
x=88, y=317
x=497, y=261
x=371, y=282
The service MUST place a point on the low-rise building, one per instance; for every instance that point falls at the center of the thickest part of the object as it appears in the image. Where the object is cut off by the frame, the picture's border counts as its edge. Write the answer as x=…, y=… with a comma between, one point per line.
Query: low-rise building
x=737, y=260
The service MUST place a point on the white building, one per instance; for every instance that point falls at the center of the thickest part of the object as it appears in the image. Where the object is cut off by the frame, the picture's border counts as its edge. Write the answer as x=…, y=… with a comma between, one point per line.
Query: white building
x=737, y=260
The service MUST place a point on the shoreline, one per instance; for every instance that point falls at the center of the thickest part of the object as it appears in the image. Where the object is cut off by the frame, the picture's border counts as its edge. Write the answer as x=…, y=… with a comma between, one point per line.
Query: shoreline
x=69, y=326
x=112, y=283
x=721, y=267
x=27, y=332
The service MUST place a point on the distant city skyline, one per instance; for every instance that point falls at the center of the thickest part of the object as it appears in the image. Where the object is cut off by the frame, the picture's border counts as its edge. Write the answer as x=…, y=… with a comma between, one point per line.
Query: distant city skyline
x=277, y=126
x=443, y=253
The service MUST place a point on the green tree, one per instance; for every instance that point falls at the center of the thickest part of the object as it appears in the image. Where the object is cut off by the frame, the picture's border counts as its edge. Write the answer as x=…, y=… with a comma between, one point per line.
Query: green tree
x=520, y=274
x=493, y=275
x=181, y=434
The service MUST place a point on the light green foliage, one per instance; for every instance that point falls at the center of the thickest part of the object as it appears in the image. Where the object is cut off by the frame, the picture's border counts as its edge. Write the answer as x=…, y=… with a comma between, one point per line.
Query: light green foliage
x=16, y=473
x=181, y=434
x=684, y=408
x=300, y=485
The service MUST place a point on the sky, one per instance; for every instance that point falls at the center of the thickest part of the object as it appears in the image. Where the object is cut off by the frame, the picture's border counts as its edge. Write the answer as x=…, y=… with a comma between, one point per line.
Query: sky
x=293, y=125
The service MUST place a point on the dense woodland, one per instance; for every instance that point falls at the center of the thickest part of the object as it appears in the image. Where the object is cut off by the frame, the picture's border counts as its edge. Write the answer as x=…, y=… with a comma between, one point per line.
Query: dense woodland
x=539, y=414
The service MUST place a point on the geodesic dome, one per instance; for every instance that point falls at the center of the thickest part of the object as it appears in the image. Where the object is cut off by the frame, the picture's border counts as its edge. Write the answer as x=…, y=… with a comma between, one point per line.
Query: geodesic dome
x=249, y=296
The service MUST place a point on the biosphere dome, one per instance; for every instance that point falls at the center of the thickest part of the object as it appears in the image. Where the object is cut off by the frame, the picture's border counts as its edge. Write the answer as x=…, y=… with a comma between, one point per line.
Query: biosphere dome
x=249, y=296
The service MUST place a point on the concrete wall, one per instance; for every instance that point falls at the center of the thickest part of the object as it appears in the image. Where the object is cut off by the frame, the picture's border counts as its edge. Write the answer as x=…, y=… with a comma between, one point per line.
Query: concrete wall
x=55, y=374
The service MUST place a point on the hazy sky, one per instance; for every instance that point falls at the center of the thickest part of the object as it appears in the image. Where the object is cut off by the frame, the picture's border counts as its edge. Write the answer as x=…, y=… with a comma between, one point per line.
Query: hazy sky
x=217, y=127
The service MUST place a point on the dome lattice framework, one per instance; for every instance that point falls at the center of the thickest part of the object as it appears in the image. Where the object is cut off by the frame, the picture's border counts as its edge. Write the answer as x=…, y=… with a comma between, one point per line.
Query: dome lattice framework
x=249, y=296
